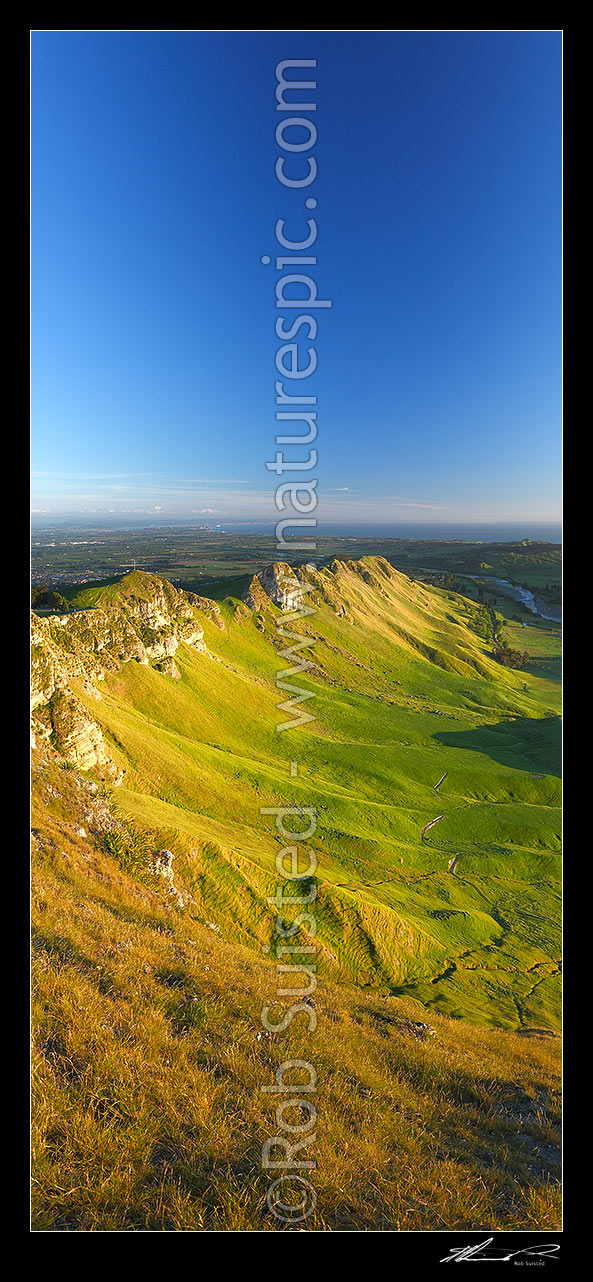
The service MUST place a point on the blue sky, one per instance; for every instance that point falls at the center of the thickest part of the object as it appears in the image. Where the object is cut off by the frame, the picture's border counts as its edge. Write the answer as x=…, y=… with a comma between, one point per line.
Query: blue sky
x=439, y=203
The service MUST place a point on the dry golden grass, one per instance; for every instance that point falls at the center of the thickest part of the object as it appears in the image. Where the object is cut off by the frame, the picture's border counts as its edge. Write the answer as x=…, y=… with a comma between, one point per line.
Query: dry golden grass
x=149, y=1056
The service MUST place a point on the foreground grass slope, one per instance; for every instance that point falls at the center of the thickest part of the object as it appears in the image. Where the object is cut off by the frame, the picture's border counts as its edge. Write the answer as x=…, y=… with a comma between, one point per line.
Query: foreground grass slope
x=149, y=1055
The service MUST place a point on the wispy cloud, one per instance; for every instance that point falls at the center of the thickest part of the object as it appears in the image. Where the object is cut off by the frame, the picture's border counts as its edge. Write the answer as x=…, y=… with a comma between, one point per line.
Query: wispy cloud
x=151, y=493
x=133, y=480
x=433, y=507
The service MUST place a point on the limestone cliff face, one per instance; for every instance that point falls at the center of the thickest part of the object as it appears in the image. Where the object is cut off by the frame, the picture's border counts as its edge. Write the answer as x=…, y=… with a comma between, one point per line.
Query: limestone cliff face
x=277, y=583
x=143, y=618
x=334, y=584
x=74, y=733
x=287, y=587
x=210, y=608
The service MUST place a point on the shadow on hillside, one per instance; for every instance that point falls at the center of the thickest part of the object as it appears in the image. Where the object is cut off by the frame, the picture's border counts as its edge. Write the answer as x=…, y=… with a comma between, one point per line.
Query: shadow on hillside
x=523, y=744
x=218, y=589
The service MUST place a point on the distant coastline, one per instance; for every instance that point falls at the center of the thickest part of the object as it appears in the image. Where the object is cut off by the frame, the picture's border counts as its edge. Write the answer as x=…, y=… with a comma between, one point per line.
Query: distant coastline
x=457, y=532
x=470, y=532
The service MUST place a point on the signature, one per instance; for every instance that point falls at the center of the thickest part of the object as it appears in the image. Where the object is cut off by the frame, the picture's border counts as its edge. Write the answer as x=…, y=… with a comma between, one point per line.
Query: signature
x=484, y=1251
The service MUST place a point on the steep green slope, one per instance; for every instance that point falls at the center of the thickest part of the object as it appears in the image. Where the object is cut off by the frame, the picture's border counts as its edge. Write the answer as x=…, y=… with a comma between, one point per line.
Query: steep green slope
x=466, y=918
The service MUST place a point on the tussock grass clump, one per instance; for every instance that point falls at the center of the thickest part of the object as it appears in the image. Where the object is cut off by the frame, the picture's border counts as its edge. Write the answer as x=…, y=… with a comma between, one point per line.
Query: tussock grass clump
x=129, y=845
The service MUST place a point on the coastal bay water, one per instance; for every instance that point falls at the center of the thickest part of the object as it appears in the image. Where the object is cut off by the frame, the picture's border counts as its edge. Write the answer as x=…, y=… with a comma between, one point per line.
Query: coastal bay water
x=458, y=532
x=467, y=532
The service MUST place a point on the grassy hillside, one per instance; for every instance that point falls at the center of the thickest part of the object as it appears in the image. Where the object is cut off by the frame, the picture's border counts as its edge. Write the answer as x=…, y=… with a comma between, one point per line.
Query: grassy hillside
x=148, y=1039
x=404, y=691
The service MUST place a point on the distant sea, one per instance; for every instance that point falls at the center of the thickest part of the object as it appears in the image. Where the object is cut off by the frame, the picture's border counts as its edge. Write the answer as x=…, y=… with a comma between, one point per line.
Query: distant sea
x=502, y=532
x=464, y=532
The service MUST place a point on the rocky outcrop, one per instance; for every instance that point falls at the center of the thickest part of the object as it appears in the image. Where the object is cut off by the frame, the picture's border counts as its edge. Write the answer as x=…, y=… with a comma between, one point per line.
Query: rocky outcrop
x=142, y=619
x=210, y=608
x=277, y=583
x=161, y=864
x=169, y=668
x=73, y=733
x=286, y=587
x=337, y=585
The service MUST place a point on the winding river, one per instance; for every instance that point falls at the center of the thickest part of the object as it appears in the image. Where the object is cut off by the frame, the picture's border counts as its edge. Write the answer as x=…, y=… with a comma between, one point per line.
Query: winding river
x=552, y=614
